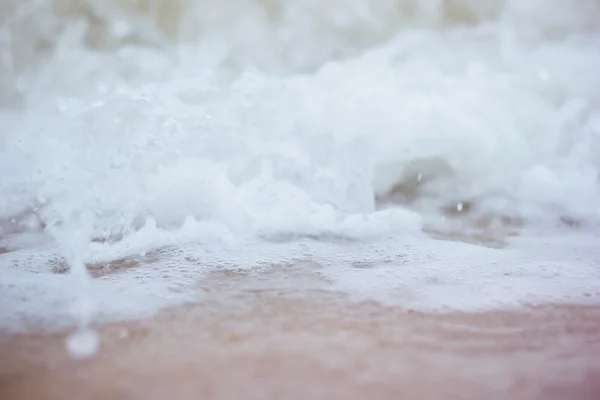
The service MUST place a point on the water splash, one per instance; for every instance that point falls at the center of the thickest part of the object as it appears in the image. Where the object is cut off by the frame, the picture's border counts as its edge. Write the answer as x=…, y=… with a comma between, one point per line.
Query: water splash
x=132, y=126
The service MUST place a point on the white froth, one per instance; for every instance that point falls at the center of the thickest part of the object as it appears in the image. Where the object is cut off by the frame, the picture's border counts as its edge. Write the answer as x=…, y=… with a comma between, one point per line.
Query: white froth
x=135, y=126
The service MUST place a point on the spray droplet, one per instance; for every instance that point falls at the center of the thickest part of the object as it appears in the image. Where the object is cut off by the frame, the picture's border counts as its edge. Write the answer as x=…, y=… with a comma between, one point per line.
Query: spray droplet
x=83, y=343
x=459, y=207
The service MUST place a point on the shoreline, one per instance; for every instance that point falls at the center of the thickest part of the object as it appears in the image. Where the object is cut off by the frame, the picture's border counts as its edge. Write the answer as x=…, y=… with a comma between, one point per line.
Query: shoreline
x=284, y=333
x=260, y=344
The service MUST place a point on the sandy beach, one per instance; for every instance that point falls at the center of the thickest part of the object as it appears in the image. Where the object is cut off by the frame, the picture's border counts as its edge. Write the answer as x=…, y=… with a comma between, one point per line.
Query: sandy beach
x=293, y=199
x=261, y=344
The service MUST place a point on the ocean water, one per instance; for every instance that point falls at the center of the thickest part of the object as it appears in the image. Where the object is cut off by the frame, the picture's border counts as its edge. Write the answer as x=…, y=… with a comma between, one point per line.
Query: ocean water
x=153, y=142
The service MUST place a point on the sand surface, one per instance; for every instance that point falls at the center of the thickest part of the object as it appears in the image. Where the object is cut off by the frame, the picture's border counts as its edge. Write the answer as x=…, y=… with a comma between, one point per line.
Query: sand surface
x=244, y=343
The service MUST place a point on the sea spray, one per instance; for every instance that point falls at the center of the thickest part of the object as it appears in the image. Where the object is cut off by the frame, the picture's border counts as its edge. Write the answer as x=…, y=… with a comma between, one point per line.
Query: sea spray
x=72, y=238
x=209, y=135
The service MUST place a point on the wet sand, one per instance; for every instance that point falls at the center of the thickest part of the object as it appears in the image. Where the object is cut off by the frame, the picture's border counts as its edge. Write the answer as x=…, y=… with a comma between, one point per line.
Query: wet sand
x=279, y=334
x=262, y=344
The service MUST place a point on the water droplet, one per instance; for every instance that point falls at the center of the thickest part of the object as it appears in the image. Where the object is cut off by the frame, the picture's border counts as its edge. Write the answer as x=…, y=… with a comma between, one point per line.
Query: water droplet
x=83, y=343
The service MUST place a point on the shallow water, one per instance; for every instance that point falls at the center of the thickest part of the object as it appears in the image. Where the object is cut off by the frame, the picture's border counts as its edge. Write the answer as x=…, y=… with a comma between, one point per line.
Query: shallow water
x=184, y=137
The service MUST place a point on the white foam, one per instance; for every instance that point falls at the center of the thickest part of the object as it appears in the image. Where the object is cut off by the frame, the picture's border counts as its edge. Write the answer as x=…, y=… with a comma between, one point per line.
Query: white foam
x=135, y=126
x=445, y=276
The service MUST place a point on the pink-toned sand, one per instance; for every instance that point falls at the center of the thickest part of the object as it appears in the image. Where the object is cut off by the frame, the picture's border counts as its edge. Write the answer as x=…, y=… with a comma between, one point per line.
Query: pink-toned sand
x=317, y=345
